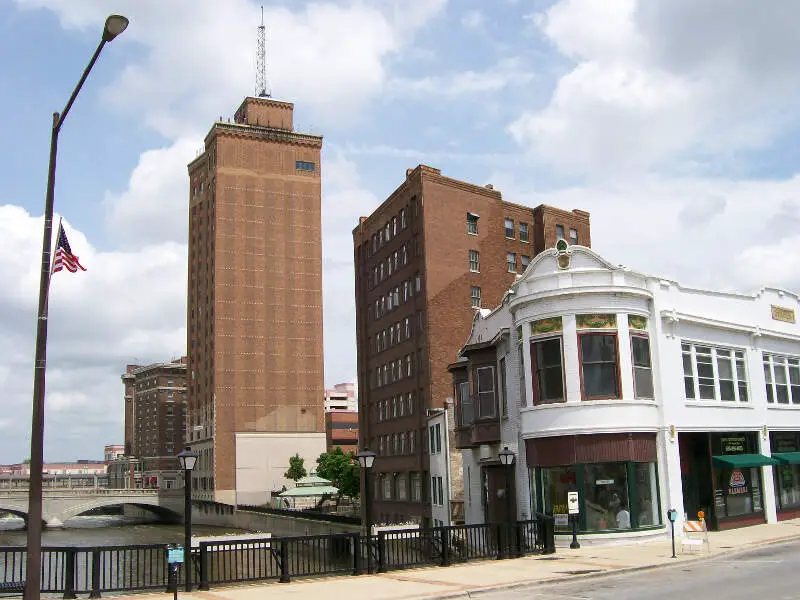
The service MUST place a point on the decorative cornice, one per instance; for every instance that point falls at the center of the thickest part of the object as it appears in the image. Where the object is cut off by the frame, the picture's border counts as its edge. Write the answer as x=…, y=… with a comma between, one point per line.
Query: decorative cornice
x=269, y=133
x=755, y=331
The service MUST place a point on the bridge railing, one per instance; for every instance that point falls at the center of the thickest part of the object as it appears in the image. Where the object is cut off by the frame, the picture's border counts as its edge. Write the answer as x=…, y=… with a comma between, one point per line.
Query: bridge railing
x=70, y=571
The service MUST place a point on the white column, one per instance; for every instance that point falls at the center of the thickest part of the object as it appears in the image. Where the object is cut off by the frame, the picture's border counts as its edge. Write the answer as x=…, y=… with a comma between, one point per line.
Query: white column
x=670, y=478
x=572, y=374
x=767, y=479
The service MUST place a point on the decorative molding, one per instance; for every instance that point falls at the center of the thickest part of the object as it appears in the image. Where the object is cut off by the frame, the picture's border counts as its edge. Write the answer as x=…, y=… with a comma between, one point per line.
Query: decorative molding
x=548, y=325
x=637, y=322
x=779, y=313
x=596, y=321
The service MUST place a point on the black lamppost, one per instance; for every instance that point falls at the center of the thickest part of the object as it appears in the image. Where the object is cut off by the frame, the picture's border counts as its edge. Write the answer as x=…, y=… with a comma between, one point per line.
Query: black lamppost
x=366, y=458
x=573, y=492
x=188, y=459
x=115, y=24
x=507, y=459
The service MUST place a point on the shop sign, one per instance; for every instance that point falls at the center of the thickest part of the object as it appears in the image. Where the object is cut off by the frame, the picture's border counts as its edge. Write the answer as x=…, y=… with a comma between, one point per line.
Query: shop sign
x=780, y=313
x=604, y=482
x=561, y=520
x=737, y=484
x=572, y=503
x=733, y=445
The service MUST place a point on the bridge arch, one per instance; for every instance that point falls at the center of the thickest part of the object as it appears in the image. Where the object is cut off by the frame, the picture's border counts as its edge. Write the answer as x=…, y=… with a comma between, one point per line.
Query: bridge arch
x=154, y=507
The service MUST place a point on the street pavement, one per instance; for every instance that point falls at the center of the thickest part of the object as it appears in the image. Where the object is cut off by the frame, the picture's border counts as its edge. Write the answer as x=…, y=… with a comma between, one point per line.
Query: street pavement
x=769, y=573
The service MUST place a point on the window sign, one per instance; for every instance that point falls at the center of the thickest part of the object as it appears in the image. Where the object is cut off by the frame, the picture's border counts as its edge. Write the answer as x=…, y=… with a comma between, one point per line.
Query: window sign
x=737, y=484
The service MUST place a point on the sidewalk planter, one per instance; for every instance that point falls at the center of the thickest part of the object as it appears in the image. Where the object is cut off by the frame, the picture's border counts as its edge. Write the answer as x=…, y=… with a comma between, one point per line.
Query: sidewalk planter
x=634, y=391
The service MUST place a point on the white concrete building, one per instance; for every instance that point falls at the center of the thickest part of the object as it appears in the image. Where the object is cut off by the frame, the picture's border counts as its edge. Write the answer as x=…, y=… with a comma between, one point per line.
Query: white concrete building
x=342, y=396
x=637, y=392
x=440, y=480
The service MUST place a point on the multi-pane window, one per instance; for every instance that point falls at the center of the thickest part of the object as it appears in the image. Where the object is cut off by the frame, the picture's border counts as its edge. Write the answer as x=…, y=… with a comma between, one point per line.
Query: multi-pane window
x=485, y=391
x=472, y=223
x=782, y=377
x=599, y=367
x=303, y=165
x=573, y=236
x=475, y=295
x=511, y=262
x=548, y=371
x=523, y=232
x=474, y=261
x=559, y=232
x=510, y=228
x=711, y=373
x=525, y=261
x=642, y=369
x=407, y=327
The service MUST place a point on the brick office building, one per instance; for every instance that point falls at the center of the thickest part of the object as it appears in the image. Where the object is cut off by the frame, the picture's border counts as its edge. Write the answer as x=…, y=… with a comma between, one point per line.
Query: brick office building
x=155, y=420
x=341, y=429
x=422, y=268
x=254, y=323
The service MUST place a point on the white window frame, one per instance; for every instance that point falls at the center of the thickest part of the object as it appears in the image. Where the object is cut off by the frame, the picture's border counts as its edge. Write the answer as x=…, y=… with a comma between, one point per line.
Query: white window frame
x=715, y=371
x=511, y=262
x=475, y=296
x=474, y=261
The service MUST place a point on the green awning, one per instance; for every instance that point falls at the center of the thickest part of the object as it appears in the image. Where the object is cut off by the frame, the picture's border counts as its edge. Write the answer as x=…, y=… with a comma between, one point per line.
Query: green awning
x=740, y=461
x=789, y=458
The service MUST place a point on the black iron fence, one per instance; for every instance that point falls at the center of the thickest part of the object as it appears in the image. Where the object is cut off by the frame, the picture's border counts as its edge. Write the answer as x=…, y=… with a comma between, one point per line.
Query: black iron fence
x=92, y=571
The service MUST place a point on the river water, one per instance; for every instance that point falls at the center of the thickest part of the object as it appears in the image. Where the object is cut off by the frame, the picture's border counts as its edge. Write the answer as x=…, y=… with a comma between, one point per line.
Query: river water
x=112, y=530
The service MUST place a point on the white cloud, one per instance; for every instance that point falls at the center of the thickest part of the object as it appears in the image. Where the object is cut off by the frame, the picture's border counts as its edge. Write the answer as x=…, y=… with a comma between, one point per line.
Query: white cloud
x=198, y=58
x=653, y=80
x=467, y=84
x=473, y=19
x=126, y=306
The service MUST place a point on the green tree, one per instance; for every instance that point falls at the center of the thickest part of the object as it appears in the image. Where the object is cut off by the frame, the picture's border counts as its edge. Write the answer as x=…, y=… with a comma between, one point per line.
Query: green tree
x=341, y=469
x=296, y=469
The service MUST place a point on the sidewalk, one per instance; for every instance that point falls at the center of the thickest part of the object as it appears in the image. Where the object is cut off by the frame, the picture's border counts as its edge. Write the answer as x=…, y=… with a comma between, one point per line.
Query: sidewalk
x=476, y=577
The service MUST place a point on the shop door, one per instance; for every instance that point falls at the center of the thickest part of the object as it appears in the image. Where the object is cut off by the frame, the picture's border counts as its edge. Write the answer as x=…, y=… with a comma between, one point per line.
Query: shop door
x=698, y=493
x=495, y=501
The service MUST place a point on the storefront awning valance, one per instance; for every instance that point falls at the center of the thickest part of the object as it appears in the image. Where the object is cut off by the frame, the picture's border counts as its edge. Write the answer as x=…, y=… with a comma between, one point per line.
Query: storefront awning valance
x=789, y=458
x=741, y=461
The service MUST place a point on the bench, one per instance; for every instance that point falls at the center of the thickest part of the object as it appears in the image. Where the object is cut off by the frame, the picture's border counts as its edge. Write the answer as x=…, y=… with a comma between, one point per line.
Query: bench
x=11, y=587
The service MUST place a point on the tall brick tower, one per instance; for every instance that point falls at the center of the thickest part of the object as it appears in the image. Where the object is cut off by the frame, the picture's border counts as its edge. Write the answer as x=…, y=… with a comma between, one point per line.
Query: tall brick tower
x=254, y=322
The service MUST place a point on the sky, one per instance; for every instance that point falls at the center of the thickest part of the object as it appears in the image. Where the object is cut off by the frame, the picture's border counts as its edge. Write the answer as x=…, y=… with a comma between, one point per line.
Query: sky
x=673, y=122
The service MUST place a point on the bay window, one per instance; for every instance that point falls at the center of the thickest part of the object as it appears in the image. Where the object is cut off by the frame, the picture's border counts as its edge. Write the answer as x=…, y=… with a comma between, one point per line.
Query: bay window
x=547, y=367
x=642, y=368
x=599, y=365
x=486, y=392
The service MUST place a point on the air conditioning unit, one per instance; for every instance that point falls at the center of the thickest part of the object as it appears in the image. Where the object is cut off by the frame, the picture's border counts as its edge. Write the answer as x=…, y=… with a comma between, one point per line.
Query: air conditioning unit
x=485, y=452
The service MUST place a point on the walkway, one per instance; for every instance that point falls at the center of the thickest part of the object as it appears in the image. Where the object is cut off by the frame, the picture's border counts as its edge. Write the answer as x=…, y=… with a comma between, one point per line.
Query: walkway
x=465, y=580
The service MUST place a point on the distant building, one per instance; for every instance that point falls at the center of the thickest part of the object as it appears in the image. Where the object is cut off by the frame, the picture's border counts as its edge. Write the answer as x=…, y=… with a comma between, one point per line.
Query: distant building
x=155, y=423
x=341, y=396
x=341, y=429
x=112, y=452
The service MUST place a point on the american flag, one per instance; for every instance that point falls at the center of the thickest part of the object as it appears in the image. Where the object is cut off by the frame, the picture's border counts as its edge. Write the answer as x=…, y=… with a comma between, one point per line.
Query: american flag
x=64, y=257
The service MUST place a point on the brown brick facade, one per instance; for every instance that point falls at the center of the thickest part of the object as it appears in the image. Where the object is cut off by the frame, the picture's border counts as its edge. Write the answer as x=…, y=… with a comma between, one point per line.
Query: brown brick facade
x=437, y=244
x=254, y=321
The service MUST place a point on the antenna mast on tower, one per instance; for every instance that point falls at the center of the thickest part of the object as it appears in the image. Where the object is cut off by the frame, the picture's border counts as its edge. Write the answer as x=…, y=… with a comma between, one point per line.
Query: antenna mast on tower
x=262, y=90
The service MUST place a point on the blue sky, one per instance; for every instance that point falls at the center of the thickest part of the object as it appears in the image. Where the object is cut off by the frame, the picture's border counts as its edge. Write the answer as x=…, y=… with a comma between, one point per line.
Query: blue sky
x=674, y=123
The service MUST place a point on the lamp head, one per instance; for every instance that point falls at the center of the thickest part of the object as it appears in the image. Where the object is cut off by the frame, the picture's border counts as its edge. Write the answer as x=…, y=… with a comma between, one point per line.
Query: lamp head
x=365, y=458
x=115, y=24
x=187, y=459
x=506, y=456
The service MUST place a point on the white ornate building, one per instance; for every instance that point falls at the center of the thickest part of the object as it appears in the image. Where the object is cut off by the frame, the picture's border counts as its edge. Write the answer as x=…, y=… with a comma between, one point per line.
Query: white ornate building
x=637, y=392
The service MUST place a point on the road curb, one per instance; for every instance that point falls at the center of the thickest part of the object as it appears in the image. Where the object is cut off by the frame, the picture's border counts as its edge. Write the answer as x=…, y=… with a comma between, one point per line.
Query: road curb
x=532, y=583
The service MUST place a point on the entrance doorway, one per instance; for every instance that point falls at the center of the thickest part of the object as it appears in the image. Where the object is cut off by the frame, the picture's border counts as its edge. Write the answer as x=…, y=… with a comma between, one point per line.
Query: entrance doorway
x=495, y=501
x=696, y=480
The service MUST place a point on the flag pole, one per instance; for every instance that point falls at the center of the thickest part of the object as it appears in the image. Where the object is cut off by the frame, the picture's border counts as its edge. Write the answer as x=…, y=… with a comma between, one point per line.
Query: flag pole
x=53, y=258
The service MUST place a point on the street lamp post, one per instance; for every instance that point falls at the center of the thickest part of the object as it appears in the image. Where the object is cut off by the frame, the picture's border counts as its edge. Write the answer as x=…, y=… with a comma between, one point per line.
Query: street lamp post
x=366, y=458
x=507, y=459
x=187, y=459
x=115, y=24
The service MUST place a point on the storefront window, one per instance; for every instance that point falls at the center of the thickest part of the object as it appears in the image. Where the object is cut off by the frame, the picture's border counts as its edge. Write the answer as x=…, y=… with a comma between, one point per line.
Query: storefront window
x=556, y=483
x=787, y=476
x=647, y=495
x=738, y=492
x=606, y=496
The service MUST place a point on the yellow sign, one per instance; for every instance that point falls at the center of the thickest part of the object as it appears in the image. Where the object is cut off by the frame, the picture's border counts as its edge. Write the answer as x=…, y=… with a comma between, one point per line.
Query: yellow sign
x=783, y=314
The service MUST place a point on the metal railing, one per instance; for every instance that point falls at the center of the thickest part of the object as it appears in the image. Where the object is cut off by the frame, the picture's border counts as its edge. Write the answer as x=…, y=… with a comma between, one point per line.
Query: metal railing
x=71, y=571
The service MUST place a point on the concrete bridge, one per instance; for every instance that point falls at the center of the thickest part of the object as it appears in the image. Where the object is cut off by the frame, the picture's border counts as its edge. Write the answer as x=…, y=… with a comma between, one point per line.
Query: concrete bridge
x=59, y=505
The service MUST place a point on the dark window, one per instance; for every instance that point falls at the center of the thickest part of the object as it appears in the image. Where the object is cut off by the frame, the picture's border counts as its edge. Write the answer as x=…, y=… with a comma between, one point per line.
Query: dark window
x=472, y=223
x=548, y=373
x=486, y=395
x=510, y=228
x=503, y=386
x=302, y=165
x=523, y=232
x=599, y=370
